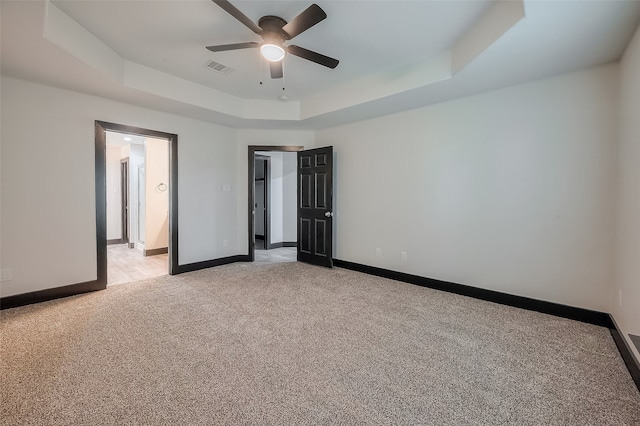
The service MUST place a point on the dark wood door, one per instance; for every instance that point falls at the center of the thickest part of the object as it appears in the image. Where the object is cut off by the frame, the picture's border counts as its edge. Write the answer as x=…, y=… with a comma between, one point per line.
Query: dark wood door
x=315, y=206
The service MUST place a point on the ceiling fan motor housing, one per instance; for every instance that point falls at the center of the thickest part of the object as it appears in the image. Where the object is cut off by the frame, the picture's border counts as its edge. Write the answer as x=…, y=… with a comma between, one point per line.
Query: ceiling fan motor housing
x=272, y=29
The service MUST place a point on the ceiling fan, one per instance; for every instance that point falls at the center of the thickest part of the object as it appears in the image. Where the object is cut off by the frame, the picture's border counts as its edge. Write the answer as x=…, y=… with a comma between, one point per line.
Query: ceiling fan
x=274, y=32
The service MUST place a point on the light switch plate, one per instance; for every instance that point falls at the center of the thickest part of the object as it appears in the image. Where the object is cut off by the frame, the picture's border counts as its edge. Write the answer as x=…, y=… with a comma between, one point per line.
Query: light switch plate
x=6, y=274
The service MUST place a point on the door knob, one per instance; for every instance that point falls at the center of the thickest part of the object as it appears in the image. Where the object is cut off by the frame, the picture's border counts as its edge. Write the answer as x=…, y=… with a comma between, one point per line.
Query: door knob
x=328, y=214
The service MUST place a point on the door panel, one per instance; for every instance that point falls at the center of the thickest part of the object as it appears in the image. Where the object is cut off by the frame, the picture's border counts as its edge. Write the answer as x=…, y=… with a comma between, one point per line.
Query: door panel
x=321, y=227
x=315, y=204
x=305, y=233
x=321, y=191
x=305, y=188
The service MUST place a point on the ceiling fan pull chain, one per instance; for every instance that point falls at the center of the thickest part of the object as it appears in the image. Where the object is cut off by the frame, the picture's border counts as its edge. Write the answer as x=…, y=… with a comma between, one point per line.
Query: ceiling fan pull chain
x=283, y=96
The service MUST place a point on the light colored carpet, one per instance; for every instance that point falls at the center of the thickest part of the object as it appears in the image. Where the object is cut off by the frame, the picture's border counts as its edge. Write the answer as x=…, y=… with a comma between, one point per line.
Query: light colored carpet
x=290, y=343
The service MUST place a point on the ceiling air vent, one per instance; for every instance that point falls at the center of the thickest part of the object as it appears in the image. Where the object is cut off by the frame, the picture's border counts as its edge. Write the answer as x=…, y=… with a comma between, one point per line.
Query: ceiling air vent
x=218, y=67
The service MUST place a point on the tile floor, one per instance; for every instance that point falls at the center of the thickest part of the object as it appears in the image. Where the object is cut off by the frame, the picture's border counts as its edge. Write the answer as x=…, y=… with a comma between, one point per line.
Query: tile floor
x=126, y=265
x=284, y=254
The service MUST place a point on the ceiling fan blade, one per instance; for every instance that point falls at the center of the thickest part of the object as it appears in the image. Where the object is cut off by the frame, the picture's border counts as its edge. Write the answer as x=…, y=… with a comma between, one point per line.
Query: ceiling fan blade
x=313, y=56
x=305, y=20
x=234, y=46
x=276, y=69
x=235, y=12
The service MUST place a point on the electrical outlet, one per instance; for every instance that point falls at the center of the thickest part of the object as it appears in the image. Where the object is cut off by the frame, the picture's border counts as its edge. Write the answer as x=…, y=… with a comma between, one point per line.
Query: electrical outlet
x=403, y=256
x=378, y=252
x=620, y=298
x=6, y=274
x=225, y=243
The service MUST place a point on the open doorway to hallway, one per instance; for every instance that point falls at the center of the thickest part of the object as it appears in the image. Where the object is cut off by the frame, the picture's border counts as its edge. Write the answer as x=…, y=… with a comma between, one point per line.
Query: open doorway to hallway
x=275, y=206
x=137, y=180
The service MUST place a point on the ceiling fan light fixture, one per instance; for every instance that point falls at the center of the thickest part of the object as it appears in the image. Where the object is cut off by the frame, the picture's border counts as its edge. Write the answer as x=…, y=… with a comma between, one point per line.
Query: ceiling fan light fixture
x=272, y=52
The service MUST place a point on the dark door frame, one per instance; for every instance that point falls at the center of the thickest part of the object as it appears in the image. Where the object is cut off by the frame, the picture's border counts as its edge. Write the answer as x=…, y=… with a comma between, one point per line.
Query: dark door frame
x=267, y=200
x=124, y=199
x=101, y=192
x=251, y=188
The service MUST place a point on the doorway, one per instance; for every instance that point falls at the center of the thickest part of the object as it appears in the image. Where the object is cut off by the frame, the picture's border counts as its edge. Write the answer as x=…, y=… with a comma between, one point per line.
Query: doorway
x=272, y=203
x=138, y=245
x=124, y=200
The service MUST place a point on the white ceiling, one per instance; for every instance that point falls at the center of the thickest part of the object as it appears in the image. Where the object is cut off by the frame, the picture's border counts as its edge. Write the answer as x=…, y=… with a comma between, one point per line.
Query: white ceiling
x=171, y=36
x=152, y=53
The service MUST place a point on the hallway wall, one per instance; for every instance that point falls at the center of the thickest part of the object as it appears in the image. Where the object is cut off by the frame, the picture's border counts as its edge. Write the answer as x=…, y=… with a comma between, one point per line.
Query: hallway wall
x=157, y=201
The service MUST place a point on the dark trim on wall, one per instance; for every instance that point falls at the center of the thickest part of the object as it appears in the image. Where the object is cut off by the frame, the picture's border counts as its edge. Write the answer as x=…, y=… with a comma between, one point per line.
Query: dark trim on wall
x=173, y=205
x=154, y=252
x=190, y=267
x=48, y=294
x=252, y=149
x=626, y=352
x=114, y=242
x=131, y=245
x=571, y=312
x=101, y=203
x=283, y=244
x=270, y=246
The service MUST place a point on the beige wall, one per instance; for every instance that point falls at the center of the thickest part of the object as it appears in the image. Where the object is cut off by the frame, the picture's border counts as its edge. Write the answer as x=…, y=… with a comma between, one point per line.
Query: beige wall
x=157, y=201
